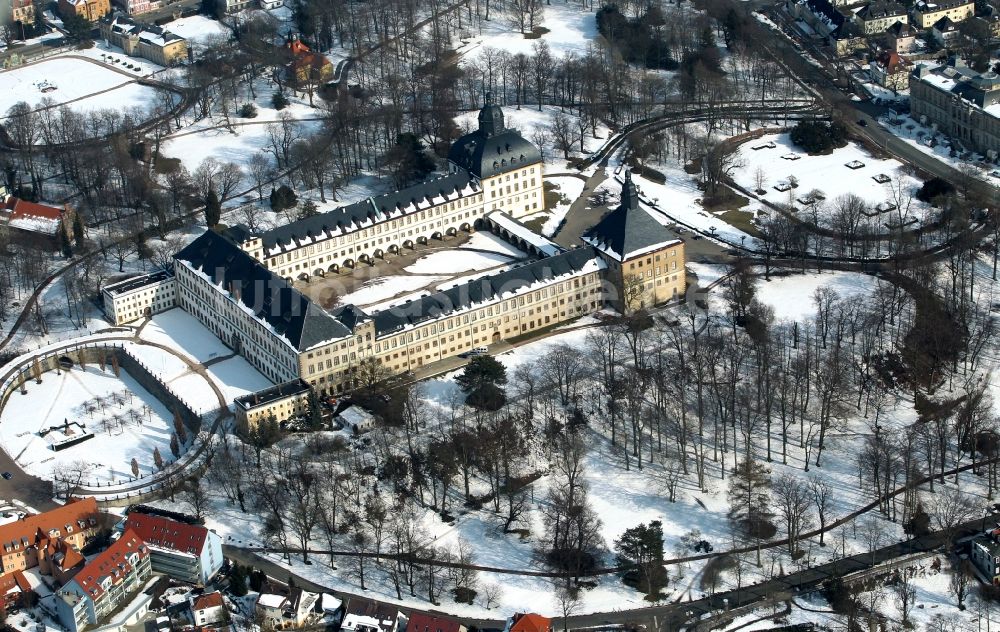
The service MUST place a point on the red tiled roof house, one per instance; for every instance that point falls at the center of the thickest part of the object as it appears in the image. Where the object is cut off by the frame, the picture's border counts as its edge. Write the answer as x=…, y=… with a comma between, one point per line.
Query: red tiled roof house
x=36, y=224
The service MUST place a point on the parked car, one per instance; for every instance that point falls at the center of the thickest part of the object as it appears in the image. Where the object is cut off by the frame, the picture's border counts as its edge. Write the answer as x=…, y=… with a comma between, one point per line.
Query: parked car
x=7, y=476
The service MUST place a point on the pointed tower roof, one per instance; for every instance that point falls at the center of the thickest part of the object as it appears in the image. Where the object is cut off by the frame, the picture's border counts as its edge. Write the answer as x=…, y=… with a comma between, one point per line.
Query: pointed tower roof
x=491, y=120
x=629, y=231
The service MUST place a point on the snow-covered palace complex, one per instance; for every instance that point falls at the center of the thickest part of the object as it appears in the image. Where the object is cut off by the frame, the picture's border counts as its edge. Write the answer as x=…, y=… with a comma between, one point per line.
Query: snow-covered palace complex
x=239, y=283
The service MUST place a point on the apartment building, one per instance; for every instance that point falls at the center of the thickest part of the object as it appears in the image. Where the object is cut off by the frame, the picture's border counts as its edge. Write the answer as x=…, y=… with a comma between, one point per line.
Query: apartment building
x=23, y=11
x=139, y=297
x=925, y=14
x=491, y=169
x=879, y=16
x=148, y=41
x=26, y=542
x=107, y=582
x=891, y=71
x=645, y=260
x=137, y=7
x=92, y=10
x=960, y=102
x=187, y=552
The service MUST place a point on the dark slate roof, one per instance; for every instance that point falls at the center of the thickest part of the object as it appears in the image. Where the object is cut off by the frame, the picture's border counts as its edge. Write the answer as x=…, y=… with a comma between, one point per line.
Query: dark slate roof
x=272, y=300
x=480, y=290
x=826, y=8
x=629, y=228
x=492, y=149
x=274, y=393
x=376, y=208
x=879, y=10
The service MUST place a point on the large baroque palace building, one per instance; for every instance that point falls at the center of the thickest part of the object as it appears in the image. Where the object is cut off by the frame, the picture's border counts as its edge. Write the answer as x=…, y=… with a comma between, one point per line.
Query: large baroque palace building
x=491, y=169
x=240, y=283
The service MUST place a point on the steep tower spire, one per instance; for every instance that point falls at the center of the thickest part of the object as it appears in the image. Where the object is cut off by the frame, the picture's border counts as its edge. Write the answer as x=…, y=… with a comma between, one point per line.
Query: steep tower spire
x=630, y=196
x=490, y=118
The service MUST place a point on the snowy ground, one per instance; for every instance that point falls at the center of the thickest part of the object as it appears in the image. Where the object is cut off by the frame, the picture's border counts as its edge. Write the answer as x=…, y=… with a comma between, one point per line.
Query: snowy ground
x=791, y=296
x=568, y=189
x=74, y=80
x=198, y=30
x=825, y=173
x=62, y=397
x=570, y=30
x=456, y=261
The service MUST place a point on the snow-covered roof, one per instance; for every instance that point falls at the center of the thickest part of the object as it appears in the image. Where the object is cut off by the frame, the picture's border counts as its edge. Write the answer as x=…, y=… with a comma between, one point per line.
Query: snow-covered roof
x=518, y=229
x=356, y=416
x=629, y=230
x=270, y=600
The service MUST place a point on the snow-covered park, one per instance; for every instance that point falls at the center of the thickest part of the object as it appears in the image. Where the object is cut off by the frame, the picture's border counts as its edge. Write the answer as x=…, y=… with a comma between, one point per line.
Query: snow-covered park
x=775, y=163
x=126, y=422
x=85, y=85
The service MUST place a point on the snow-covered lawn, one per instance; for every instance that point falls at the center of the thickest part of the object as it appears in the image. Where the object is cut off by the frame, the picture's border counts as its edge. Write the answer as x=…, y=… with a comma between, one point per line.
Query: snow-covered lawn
x=449, y=261
x=72, y=79
x=198, y=30
x=61, y=398
x=236, y=378
x=828, y=174
x=193, y=145
x=570, y=30
x=568, y=189
x=387, y=287
x=183, y=332
x=791, y=297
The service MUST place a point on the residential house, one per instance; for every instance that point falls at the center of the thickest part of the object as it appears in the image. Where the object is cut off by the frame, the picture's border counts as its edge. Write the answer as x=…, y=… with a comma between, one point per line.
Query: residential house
x=26, y=541
x=148, y=41
x=208, y=609
x=925, y=13
x=235, y=6
x=901, y=38
x=61, y=560
x=528, y=622
x=106, y=583
x=13, y=589
x=423, y=622
x=23, y=12
x=945, y=31
x=280, y=403
x=279, y=612
x=878, y=16
x=137, y=7
x=356, y=419
x=307, y=67
x=960, y=102
x=36, y=224
x=267, y=5
x=365, y=615
x=92, y=10
x=891, y=71
x=821, y=15
x=187, y=552
x=985, y=555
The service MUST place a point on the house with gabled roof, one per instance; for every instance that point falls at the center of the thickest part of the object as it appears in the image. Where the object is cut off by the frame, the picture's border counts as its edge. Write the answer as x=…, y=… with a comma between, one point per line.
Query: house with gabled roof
x=26, y=543
x=32, y=223
x=187, y=552
x=528, y=622
x=104, y=584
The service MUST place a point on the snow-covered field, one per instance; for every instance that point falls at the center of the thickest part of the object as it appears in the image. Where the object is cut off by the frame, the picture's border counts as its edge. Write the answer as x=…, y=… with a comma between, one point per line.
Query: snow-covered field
x=74, y=80
x=791, y=297
x=826, y=173
x=61, y=398
x=570, y=30
x=198, y=30
x=456, y=261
